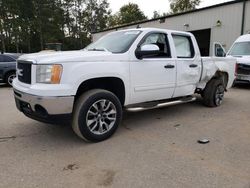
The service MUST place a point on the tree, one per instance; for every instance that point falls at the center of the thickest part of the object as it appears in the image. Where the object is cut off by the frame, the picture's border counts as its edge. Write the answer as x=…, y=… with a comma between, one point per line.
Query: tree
x=158, y=15
x=127, y=14
x=178, y=6
x=48, y=21
x=96, y=15
x=26, y=25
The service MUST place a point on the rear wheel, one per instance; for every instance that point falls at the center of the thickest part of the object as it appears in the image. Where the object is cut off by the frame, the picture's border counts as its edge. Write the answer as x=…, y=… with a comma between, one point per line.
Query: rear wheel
x=9, y=78
x=97, y=115
x=213, y=94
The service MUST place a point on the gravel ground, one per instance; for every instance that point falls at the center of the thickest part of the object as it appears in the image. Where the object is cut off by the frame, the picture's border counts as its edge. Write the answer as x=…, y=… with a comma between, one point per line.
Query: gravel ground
x=156, y=148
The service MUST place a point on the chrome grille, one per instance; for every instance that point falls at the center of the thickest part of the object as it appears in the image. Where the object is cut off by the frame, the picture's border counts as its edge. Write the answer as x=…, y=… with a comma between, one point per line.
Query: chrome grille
x=243, y=69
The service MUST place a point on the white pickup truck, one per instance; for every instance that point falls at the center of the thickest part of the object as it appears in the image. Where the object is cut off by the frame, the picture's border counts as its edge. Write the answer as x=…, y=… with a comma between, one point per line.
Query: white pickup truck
x=241, y=50
x=133, y=70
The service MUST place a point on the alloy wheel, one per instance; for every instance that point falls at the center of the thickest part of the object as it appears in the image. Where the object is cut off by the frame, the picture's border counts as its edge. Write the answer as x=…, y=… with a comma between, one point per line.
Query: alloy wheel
x=101, y=117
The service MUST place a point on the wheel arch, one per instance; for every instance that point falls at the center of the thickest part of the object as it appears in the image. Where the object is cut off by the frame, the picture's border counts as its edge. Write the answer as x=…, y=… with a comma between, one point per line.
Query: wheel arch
x=113, y=84
x=223, y=75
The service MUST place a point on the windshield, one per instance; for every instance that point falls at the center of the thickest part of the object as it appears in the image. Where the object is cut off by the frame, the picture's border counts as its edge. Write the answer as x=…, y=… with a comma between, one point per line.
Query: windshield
x=117, y=42
x=240, y=49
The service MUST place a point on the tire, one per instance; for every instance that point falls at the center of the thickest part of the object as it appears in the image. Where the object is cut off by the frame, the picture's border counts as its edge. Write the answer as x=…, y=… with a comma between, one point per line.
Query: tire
x=96, y=116
x=213, y=94
x=9, y=78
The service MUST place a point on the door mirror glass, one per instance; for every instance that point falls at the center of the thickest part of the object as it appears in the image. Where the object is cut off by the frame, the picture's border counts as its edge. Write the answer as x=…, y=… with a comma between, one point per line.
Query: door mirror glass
x=147, y=50
x=219, y=51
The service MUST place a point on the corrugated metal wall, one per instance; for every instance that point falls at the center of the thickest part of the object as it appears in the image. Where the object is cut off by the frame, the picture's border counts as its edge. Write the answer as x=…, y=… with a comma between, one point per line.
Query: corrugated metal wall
x=247, y=18
x=229, y=15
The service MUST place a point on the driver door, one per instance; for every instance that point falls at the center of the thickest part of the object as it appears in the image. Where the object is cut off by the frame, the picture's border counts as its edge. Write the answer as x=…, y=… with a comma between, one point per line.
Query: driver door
x=153, y=77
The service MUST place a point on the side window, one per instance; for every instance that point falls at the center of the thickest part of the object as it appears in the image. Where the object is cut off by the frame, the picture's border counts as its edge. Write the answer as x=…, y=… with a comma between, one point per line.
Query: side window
x=161, y=40
x=184, y=47
x=7, y=59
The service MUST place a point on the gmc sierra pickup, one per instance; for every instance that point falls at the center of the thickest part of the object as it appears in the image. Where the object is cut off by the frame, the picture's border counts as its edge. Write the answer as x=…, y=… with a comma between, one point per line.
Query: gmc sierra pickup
x=133, y=70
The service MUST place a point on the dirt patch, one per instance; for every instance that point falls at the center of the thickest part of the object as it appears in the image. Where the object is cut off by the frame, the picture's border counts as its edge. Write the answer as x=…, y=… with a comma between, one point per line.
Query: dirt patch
x=71, y=167
x=7, y=138
x=126, y=127
x=177, y=125
x=107, y=178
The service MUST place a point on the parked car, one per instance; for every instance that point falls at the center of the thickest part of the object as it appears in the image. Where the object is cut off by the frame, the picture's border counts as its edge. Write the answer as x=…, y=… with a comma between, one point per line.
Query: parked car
x=8, y=67
x=241, y=50
x=134, y=70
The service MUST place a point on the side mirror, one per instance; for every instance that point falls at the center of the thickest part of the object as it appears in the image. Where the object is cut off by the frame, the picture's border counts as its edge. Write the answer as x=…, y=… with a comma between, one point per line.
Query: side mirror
x=219, y=51
x=147, y=50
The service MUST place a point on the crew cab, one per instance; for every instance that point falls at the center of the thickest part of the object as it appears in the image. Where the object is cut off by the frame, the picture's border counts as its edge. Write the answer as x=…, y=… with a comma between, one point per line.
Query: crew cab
x=136, y=69
x=8, y=67
x=241, y=50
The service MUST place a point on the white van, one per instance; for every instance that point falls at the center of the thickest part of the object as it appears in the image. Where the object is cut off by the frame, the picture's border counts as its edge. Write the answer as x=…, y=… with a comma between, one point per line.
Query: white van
x=241, y=50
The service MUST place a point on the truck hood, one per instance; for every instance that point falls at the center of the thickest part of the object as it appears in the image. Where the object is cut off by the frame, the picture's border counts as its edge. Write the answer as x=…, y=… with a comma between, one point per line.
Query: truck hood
x=243, y=59
x=71, y=56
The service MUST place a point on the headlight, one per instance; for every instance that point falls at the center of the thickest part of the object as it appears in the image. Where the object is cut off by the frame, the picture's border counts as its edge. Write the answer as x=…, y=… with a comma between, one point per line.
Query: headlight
x=49, y=74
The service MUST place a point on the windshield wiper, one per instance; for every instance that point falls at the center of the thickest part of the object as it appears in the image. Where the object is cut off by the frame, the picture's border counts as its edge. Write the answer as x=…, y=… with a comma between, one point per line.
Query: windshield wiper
x=237, y=55
x=98, y=49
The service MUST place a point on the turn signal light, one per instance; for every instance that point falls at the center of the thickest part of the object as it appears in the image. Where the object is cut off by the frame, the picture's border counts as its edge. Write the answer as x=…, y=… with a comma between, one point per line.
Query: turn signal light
x=56, y=74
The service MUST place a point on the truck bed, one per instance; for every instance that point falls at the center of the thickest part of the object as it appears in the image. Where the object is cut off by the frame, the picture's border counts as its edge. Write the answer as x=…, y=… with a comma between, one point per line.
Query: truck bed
x=210, y=65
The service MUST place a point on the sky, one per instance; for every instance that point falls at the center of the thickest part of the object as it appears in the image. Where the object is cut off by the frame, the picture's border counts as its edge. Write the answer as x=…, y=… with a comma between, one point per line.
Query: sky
x=149, y=6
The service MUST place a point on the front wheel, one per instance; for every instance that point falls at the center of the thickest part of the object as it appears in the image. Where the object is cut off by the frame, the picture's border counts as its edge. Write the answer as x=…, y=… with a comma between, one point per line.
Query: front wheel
x=213, y=94
x=97, y=115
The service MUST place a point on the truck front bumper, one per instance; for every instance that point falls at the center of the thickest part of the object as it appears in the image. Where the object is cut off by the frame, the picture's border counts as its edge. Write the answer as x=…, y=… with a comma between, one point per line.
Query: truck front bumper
x=45, y=109
x=243, y=78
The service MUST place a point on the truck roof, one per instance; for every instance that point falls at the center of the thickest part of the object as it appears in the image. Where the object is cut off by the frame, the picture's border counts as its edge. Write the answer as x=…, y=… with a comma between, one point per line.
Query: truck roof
x=155, y=29
x=243, y=38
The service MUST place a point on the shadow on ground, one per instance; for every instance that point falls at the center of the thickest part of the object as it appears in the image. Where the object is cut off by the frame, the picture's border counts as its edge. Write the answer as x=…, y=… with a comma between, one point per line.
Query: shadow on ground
x=4, y=86
x=242, y=86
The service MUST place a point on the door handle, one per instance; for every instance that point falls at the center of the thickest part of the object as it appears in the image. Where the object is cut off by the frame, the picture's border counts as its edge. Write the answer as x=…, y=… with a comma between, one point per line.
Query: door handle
x=193, y=66
x=169, y=66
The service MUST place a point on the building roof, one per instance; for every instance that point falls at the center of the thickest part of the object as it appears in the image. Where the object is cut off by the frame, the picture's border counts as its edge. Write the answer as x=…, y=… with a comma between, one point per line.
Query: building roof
x=171, y=15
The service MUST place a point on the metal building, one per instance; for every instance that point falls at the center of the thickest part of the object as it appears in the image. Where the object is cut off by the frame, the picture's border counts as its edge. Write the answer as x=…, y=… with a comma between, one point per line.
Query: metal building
x=218, y=23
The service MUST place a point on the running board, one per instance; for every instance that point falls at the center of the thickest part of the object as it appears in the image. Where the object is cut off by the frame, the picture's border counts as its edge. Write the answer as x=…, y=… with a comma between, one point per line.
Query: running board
x=160, y=105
